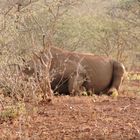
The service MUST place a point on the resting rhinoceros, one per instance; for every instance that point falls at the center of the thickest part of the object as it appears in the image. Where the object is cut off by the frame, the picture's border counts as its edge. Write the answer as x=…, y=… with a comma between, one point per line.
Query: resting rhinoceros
x=74, y=72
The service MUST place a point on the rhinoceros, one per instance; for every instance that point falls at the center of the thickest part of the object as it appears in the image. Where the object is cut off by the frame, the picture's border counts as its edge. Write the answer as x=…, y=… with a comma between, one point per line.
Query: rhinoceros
x=75, y=72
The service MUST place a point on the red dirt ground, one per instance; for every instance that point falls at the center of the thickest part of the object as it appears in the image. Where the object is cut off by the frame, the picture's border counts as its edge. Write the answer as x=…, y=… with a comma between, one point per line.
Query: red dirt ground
x=78, y=118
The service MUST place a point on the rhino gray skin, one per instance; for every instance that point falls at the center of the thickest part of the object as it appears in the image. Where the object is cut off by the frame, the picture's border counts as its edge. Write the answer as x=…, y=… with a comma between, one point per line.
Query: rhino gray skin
x=74, y=72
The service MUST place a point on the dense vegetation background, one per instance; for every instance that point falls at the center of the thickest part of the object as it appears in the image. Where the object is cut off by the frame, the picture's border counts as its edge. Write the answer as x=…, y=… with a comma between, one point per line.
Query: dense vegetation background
x=108, y=27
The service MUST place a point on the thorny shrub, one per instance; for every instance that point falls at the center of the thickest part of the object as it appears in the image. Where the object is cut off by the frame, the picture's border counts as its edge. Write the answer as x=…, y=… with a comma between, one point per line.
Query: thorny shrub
x=14, y=85
x=17, y=90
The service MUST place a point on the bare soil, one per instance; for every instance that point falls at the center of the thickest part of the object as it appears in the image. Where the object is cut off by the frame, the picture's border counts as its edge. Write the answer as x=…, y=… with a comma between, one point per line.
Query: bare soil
x=78, y=118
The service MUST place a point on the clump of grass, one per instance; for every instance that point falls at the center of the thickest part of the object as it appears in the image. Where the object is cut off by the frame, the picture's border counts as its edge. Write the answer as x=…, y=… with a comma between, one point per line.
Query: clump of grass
x=8, y=114
x=87, y=93
x=12, y=112
x=114, y=94
x=133, y=76
x=84, y=93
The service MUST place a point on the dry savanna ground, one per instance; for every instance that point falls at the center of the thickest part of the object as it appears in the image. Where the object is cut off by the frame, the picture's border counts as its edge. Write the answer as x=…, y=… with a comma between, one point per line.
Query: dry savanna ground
x=73, y=118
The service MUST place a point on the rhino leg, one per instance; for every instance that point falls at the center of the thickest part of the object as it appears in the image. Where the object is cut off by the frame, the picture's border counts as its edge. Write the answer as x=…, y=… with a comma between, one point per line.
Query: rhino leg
x=117, y=77
x=75, y=84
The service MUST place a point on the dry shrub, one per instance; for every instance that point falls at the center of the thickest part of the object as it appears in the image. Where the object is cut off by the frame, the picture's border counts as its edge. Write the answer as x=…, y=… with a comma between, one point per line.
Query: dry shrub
x=18, y=90
x=15, y=84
